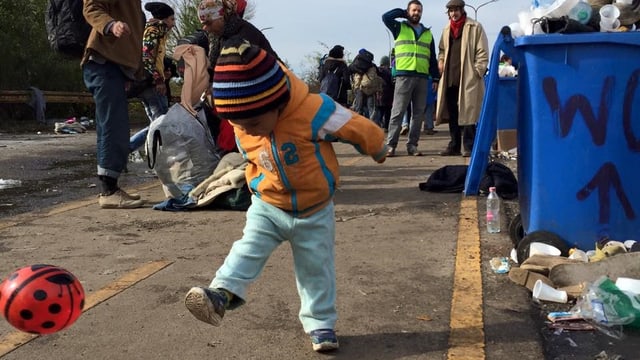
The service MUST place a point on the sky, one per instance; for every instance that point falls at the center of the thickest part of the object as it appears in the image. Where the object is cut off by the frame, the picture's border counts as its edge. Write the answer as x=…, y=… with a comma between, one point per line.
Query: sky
x=298, y=29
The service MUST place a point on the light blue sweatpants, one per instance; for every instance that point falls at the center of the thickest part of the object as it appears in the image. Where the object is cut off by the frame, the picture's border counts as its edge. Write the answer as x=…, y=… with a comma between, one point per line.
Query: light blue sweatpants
x=312, y=243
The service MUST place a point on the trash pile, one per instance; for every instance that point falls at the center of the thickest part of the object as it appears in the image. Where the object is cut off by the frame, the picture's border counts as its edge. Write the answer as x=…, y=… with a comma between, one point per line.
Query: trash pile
x=73, y=126
x=577, y=16
x=600, y=288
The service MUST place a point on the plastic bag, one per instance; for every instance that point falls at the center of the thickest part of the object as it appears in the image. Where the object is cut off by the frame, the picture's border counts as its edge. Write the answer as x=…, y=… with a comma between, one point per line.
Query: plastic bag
x=181, y=150
x=608, y=307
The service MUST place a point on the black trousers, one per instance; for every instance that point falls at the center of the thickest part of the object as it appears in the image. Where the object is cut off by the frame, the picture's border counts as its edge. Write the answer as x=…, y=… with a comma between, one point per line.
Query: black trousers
x=467, y=133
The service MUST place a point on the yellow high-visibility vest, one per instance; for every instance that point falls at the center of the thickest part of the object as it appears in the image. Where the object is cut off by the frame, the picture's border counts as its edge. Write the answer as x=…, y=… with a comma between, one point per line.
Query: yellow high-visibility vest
x=413, y=54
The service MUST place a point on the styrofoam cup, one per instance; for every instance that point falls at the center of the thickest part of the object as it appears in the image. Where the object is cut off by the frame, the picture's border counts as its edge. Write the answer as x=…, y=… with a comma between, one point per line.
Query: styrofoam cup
x=579, y=255
x=609, y=27
x=628, y=285
x=539, y=248
x=609, y=13
x=544, y=292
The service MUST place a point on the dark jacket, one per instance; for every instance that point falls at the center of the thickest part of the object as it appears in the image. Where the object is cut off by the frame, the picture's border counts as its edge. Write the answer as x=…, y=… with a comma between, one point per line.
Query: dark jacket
x=341, y=69
x=386, y=95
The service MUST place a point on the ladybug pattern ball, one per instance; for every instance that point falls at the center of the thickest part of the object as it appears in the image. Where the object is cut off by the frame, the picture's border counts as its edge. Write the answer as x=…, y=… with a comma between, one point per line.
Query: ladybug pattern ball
x=41, y=299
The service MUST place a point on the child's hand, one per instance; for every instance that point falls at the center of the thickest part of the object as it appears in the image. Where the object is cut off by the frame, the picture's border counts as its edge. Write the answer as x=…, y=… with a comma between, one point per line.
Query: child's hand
x=385, y=152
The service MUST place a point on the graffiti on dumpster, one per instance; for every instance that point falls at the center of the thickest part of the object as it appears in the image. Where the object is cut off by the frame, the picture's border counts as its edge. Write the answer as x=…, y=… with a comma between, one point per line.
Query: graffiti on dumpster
x=629, y=93
x=597, y=125
x=607, y=177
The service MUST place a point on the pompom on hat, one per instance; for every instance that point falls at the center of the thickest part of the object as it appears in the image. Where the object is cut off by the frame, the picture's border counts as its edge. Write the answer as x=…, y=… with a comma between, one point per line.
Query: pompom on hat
x=247, y=81
x=159, y=10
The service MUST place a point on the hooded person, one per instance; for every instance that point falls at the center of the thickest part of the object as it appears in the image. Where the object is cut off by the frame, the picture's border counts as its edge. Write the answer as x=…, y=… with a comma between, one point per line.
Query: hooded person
x=335, y=66
x=222, y=19
x=286, y=133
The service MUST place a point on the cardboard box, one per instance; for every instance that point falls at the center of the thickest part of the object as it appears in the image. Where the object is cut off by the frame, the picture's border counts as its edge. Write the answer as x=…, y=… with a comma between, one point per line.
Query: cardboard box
x=507, y=139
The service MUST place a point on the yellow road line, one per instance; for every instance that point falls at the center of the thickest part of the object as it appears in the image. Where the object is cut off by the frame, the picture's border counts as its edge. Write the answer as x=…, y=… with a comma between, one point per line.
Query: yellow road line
x=15, y=339
x=466, y=340
x=56, y=210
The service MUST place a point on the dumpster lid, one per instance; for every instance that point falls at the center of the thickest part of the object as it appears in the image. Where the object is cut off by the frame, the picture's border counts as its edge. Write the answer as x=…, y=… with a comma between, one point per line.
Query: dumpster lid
x=629, y=38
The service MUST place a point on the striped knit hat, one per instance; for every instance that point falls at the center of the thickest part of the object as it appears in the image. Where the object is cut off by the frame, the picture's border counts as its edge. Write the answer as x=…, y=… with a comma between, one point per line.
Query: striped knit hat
x=247, y=81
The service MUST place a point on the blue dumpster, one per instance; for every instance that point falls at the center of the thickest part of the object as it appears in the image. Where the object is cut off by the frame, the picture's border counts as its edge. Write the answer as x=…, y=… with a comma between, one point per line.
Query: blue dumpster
x=507, y=89
x=579, y=136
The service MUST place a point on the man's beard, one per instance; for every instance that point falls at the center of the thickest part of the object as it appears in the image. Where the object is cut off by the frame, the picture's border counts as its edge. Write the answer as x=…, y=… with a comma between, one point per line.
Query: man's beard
x=414, y=20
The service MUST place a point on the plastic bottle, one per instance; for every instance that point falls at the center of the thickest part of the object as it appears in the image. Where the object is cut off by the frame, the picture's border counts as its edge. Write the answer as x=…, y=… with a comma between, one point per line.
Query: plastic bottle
x=581, y=12
x=493, y=211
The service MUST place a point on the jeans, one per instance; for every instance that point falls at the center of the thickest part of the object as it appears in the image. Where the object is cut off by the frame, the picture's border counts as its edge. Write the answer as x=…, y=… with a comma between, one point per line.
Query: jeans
x=312, y=243
x=364, y=105
x=382, y=115
x=428, y=121
x=154, y=105
x=409, y=89
x=106, y=82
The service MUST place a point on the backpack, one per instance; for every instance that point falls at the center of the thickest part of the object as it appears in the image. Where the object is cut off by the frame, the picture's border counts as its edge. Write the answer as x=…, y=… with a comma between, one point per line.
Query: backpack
x=362, y=62
x=67, y=29
x=500, y=176
x=371, y=82
x=331, y=84
x=181, y=150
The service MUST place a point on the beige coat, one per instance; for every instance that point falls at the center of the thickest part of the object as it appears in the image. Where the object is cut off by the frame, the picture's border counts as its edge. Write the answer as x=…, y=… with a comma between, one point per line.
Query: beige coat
x=475, y=59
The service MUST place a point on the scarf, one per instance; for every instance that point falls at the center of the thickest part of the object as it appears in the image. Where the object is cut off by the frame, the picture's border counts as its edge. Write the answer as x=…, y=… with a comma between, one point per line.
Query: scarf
x=456, y=26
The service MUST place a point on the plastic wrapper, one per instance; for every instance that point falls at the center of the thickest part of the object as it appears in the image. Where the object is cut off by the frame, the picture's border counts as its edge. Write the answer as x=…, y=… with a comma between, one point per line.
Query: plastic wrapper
x=608, y=308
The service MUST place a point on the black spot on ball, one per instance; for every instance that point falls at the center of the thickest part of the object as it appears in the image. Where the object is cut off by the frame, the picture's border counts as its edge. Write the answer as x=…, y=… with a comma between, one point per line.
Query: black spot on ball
x=48, y=324
x=13, y=276
x=54, y=308
x=37, y=267
x=40, y=295
x=60, y=279
x=26, y=314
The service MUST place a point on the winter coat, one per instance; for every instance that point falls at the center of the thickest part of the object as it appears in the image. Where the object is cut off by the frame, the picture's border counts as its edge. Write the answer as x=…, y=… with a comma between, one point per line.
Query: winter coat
x=341, y=69
x=295, y=168
x=474, y=53
x=124, y=51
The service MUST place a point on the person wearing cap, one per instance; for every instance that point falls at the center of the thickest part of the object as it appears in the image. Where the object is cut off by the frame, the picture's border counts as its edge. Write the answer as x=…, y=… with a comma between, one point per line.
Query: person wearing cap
x=415, y=62
x=463, y=58
x=335, y=63
x=286, y=134
x=154, y=48
x=111, y=61
x=222, y=19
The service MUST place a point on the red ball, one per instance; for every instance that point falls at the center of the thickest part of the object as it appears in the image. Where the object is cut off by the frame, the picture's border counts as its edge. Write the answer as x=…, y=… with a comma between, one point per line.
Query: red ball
x=41, y=299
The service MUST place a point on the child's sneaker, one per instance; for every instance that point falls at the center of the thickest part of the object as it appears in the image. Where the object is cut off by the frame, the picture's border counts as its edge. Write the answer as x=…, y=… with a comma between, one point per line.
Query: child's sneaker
x=324, y=340
x=206, y=305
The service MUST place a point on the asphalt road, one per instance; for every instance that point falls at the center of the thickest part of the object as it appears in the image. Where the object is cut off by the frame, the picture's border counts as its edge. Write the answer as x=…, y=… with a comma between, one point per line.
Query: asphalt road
x=409, y=284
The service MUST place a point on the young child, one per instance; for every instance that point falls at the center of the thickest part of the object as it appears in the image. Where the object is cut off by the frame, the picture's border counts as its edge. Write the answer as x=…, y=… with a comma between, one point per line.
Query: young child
x=286, y=133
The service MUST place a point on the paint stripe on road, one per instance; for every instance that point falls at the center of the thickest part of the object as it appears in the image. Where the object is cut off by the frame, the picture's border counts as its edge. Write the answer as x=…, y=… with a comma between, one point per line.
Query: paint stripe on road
x=56, y=210
x=466, y=340
x=15, y=339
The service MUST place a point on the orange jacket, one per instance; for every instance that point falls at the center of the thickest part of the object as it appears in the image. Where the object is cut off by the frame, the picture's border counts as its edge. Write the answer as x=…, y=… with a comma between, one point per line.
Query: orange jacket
x=295, y=168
